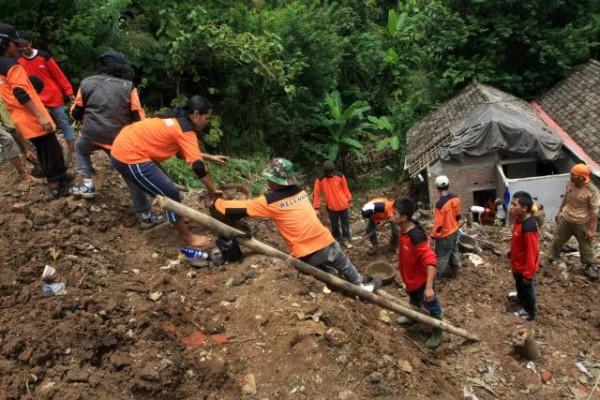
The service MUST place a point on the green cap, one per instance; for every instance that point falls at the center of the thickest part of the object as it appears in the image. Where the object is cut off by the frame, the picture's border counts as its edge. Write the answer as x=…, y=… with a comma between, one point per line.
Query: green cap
x=280, y=171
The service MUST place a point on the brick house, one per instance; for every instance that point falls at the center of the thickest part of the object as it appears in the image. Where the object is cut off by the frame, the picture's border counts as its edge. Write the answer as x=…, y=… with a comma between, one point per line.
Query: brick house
x=490, y=144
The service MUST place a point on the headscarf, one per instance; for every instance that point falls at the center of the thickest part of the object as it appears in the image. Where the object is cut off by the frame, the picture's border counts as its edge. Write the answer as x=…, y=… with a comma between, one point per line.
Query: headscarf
x=581, y=170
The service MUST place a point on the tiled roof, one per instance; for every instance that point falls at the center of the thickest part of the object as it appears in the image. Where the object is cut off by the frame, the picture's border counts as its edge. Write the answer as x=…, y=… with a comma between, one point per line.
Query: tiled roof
x=574, y=104
x=425, y=139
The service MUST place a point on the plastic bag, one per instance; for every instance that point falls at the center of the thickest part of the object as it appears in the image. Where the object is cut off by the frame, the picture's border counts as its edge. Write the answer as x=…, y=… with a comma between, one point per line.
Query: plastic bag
x=230, y=248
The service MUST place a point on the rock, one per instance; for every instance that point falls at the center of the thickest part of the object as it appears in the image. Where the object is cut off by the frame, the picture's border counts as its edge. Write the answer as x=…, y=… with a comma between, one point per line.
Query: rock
x=348, y=395
x=13, y=347
x=231, y=298
x=545, y=375
x=375, y=377
x=155, y=296
x=383, y=316
x=149, y=373
x=78, y=375
x=25, y=355
x=405, y=365
x=336, y=336
x=249, y=384
x=46, y=390
x=120, y=360
x=20, y=207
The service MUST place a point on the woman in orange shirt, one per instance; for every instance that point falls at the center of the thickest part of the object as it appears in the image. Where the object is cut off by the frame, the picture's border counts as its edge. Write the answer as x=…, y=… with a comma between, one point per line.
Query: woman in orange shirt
x=140, y=147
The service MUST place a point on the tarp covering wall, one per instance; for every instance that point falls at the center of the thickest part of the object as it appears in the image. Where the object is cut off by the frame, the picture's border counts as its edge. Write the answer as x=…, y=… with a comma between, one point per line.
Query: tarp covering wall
x=495, y=126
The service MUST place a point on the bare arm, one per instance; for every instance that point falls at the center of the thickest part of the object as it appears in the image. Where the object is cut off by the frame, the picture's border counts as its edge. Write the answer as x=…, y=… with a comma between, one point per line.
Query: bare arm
x=216, y=158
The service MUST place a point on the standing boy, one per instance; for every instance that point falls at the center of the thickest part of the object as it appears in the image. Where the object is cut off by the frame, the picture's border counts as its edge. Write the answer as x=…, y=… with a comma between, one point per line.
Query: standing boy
x=288, y=205
x=417, y=264
x=524, y=254
x=56, y=85
x=337, y=200
x=28, y=113
x=445, y=229
x=378, y=211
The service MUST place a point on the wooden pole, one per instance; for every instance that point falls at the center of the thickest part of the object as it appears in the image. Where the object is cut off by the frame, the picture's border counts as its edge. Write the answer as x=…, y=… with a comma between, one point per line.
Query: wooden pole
x=331, y=280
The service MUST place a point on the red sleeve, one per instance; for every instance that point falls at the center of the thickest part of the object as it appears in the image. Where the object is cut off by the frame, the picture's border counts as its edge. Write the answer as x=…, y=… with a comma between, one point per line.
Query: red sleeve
x=425, y=254
x=59, y=76
x=317, y=194
x=532, y=245
x=345, y=189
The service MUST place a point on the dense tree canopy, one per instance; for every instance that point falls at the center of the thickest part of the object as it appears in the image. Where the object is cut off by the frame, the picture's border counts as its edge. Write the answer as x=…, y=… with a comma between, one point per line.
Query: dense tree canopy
x=282, y=73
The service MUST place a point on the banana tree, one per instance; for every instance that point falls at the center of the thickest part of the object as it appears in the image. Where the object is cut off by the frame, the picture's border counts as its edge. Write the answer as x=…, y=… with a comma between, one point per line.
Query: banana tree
x=345, y=127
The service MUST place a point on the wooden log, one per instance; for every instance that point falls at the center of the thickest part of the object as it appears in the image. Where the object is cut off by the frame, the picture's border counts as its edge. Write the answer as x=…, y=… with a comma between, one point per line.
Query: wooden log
x=331, y=280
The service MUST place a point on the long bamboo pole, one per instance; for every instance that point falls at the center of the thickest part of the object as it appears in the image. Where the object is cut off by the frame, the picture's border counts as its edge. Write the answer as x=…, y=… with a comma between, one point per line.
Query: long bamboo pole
x=331, y=280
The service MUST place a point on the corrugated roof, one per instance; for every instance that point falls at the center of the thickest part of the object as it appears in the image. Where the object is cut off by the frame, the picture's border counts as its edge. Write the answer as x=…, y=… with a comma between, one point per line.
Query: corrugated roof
x=574, y=104
x=425, y=139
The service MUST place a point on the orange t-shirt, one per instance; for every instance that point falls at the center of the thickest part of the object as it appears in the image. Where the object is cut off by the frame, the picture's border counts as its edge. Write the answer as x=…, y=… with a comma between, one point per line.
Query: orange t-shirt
x=383, y=209
x=335, y=189
x=446, y=215
x=156, y=139
x=14, y=77
x=291, y=211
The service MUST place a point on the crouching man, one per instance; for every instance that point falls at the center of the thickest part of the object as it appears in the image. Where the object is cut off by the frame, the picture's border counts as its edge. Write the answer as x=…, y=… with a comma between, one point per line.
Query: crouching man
x=290, y=208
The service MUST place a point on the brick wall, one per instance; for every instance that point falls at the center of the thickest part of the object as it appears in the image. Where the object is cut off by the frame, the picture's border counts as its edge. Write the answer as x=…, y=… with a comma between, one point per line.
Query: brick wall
x=475, y=173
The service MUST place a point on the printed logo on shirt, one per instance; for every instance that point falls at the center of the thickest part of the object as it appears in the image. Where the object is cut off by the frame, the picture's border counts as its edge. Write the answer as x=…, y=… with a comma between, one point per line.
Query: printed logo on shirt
x=288, y=203
x=169, y=122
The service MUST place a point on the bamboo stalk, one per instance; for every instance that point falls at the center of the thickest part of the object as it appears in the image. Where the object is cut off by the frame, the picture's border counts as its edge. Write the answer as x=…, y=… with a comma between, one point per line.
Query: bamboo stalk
x=331, y=280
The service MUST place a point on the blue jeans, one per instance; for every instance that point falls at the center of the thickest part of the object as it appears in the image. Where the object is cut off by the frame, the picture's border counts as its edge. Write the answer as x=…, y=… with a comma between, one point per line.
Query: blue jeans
x=149, y=177
x=334, y=218
x=417, y=298
x=59, y=116
x=525, y=294
x=371, y=227
x=333, y=258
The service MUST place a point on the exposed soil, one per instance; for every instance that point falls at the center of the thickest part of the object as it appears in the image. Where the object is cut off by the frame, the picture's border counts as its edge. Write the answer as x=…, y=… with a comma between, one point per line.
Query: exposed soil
x=137, y=324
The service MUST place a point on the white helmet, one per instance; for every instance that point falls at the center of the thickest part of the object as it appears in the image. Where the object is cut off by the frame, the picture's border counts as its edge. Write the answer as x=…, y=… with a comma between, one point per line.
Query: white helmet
x=442, y=181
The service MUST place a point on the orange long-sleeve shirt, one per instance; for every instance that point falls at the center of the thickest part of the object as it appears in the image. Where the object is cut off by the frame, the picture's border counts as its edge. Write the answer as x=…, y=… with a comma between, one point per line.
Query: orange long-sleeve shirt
x=291, y=211
x=336, y=192
x=156, y=139
x=382, y=209
x=16, y=90
x=446, y=215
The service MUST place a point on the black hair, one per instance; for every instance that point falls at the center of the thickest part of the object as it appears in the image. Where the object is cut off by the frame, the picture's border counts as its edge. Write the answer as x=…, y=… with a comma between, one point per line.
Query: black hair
x=405, y=206
x=525, y=199
x=115, y=67
x=194, y=103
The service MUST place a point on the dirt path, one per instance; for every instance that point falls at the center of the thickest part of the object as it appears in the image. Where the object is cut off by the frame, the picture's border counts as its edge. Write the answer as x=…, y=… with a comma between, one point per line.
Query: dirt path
x=136, y=324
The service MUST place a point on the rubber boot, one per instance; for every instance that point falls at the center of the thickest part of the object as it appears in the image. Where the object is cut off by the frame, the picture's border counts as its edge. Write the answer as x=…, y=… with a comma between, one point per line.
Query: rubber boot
x=436, y=338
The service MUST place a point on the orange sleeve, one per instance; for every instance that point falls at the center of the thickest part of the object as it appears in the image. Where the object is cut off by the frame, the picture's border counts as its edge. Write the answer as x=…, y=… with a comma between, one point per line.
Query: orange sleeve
x=136, y=105
x=77, y=105
x=256, y=207
x=190, y=150
x=317, y=194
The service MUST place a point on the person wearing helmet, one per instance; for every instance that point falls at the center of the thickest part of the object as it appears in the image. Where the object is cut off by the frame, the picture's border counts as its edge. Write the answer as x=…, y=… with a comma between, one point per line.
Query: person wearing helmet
x=337, y=200
x=577, y=217
x=290, y=208
x=445, y=229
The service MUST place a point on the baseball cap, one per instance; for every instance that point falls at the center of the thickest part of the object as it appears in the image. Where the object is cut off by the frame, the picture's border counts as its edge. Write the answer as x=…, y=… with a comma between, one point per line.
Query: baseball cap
x=442, y=181
x=280, y=171
x=8, y=33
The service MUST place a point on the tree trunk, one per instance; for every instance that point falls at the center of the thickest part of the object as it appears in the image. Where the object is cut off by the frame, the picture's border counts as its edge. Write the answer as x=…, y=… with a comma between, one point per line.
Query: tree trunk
x=331, y=280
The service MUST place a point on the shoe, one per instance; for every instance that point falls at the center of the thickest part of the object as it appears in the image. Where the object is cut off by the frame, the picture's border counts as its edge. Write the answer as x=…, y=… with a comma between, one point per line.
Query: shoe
x=513, y=296
x=85, y=190
x=347, y=244
x=523, y=314
x=405, y=321
x=60, y=191
x=436, y=338
x=149, y=220
x=591, y=271
x=371, y=286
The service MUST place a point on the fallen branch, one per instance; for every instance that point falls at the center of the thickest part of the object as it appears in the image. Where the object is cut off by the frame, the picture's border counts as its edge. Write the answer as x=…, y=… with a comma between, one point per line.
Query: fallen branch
x=330, y=280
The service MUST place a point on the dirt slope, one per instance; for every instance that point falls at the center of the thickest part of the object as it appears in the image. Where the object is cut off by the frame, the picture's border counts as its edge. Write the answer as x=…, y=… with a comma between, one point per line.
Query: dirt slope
x=135, y=324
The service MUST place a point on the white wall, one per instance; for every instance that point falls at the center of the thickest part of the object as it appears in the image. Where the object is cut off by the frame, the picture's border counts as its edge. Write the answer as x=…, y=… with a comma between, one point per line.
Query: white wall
x=549, y=190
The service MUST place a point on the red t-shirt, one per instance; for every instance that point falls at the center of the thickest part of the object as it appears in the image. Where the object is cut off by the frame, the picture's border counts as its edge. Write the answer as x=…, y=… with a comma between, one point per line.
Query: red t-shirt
x=414, y=256
x=43, y=65
x=525, y=247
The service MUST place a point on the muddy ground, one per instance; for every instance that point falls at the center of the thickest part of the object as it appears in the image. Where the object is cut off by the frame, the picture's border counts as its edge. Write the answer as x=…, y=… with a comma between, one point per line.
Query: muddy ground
x=137, y=324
